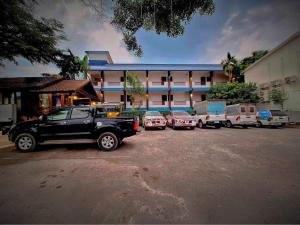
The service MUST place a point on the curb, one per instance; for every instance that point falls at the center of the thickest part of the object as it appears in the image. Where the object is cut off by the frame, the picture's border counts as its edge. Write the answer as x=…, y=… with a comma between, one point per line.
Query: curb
x=7, y=147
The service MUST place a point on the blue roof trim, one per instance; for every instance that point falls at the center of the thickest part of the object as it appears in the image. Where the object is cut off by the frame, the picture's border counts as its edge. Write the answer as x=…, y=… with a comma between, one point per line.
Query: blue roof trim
x=181, y=108
x=180, y=89
x=158, y=67
x=97, y=62
x=200, y=88
x=159, y=89
x=130, y=109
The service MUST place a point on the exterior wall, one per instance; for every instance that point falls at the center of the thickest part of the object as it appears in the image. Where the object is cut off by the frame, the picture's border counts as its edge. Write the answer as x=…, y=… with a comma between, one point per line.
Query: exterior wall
x=180, y=99
x=180, y=78
x=113, y=79
x=155, y=99
x=275, y=68
x=219, y=77
x=197, y=96
x=113, y=97
x=196, y=78
x=155, y=78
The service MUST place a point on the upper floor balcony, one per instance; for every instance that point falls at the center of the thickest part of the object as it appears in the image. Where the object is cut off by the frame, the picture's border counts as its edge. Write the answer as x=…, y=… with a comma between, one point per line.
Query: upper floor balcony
x=180, y=103
x=201, y=84
x=179, y=84
x=113, y=84
x=158, y=84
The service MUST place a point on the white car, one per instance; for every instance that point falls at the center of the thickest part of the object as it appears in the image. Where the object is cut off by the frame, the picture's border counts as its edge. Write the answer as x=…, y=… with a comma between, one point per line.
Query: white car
x=243, y=114
x=154, y=119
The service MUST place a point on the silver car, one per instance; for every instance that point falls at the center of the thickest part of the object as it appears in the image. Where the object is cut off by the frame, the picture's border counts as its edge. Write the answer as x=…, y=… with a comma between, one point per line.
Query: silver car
x=154, y=119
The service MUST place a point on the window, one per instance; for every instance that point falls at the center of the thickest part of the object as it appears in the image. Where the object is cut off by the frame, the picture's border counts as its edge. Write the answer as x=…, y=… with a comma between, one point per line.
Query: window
x=80, y=113
x=243, y=109
x=171, y=97
x=122, y=98
x=203, y=97
x=58, y=115
x=203, y=80
x=164, y=98
x=208, y=79
x=251, y=109
x=163, y=79
x=121, y=79
x=171, y=79
x=128, y=98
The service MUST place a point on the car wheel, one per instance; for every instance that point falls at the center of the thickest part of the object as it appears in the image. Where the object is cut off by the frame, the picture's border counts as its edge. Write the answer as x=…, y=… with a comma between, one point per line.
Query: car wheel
x=163, y=128
x=173, y=125
x=192, y=128
x=200, y=124
x=25, y=142
x=228, y=124
x=258, y=124
x=107, y=141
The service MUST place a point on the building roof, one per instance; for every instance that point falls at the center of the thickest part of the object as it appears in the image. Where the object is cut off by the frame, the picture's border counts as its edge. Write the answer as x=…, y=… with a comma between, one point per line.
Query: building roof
x=83, y=87
x=287, y=41
x=27, y=83
x=157, y=67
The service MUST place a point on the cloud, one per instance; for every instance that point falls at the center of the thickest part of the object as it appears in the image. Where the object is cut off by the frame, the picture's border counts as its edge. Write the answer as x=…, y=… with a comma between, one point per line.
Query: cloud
x=260, y=27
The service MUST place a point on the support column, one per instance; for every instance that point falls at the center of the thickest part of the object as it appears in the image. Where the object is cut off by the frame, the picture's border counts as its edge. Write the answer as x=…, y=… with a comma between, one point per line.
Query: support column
x=124, y=92
x=191, y=86
x=147, y=89
x=211, y=74
x=169, y=91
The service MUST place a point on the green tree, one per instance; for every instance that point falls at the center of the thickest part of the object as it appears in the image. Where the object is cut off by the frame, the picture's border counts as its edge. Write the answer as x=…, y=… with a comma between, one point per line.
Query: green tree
x=135, y=89
x=84, y=66
x=247, y=61
x=69, y=64
x=234, y=92
x=278, y=96
x=231, y=67
x=21, y=34
x=161, y=16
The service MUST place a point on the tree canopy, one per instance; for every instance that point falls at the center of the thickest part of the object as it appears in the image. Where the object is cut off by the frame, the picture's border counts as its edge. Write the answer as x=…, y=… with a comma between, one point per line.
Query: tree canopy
x=247, y=61
x=278, y=96
x=69, y=64
x=21, y=34
x=163, y=16
x=234, y=92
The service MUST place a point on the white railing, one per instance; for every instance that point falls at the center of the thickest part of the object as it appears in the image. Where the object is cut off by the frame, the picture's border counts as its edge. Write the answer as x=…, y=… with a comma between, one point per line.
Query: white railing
x=156, y=103
x=158, y=84
x=198, y=84
x=178, y=103
x=179, y=84
x=136, y=104
x=111, y=84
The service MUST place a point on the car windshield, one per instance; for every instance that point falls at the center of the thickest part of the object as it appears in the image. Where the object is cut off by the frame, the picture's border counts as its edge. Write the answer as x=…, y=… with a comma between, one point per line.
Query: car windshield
x=153, y=113
x=278, y=113
x=180, y=113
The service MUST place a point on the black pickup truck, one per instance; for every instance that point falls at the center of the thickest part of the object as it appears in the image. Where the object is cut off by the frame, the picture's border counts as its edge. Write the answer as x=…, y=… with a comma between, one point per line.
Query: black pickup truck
x=73, y=123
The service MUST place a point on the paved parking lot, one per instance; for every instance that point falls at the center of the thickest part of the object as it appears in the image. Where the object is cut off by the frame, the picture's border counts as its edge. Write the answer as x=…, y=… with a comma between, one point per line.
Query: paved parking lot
x=182, y=176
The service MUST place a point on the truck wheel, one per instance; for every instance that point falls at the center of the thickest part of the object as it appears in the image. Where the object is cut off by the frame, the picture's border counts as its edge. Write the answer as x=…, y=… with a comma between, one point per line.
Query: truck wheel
x=258, y=124
x=107, y=141
x=228, y=124
x=25, y=142
x=163, y=128
x=218, y=126
x=173, y=125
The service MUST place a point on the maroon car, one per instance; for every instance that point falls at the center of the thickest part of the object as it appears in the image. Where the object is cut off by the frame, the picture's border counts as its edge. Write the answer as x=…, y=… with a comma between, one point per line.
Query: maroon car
x=180, y=119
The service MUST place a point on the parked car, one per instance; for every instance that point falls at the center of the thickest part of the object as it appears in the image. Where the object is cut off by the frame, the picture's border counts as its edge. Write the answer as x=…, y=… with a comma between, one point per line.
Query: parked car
x=275, y=118
x=243, y=114
x=210, y=113
x=73, y=123
x=154, y=119
x=180, y=119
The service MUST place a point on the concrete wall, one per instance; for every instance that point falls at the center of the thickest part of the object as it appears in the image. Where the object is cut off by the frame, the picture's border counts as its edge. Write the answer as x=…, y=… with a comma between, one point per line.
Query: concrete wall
x=282, y=63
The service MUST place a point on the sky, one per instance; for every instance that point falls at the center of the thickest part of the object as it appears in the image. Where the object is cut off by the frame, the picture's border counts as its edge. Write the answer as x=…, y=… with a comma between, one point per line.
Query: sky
x=237, y=26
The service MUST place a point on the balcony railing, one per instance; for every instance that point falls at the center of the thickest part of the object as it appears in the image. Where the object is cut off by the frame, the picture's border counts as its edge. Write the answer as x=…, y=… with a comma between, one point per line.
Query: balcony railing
x=179, y=103
x=157, y=103
x=201, y=84
x=158, y=84
x=179, y=84
x=112, y=84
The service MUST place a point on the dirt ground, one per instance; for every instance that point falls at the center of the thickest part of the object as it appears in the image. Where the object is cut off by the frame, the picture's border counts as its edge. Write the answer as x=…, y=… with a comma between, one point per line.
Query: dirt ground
x=182, y=176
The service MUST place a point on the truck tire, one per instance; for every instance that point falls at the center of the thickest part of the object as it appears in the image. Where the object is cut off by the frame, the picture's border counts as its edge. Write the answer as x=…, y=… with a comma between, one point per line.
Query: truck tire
x=107, y=141
x=25, y=142
x=228, y=124
x=259, y=124
x=200, y=124
x=218, y=126
x=173, y=125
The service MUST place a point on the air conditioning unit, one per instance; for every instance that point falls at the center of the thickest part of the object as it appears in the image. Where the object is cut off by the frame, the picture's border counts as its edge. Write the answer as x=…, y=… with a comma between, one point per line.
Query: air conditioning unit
x=290, y=79
x=276, y=83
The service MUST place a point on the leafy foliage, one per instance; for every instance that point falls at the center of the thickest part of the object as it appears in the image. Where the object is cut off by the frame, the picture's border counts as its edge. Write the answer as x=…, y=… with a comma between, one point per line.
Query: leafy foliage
x=69, y=64
x=163, y=16
x=234, y=92
x=84, y=66
x=23, y=35
x=134, y=88
x=247, y=61
x=278, y=96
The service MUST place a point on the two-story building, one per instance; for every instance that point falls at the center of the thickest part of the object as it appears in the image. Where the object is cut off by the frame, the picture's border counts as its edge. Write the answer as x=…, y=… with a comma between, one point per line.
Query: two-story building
x=167, y=86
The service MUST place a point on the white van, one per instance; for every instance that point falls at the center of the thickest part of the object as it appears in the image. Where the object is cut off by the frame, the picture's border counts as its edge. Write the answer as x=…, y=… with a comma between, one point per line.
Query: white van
x=210, y=113
x=243, y=114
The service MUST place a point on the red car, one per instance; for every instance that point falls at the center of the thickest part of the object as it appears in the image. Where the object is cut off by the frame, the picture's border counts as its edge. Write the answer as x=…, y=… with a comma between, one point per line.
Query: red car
x=180, y=119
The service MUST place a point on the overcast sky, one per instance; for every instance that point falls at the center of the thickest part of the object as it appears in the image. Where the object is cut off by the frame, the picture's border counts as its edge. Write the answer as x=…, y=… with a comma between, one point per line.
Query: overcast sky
x=238, y=26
